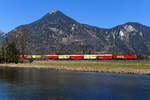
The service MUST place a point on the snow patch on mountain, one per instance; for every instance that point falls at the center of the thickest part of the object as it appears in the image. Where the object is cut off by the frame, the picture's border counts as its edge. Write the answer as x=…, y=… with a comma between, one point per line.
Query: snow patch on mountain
x=141, y=34
x=53, y=11
x=129, y=28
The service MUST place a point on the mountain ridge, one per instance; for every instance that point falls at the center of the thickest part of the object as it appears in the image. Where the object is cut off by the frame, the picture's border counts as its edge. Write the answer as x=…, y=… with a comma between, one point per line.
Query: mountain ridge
x=56, y=33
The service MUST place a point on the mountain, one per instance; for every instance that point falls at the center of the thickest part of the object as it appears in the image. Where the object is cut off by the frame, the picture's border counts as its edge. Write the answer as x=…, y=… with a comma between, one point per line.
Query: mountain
x=56, y=33
x=2, y=35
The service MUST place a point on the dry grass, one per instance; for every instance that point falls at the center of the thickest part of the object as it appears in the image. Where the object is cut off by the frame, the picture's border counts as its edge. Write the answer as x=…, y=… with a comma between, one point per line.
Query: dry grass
x=129, y=67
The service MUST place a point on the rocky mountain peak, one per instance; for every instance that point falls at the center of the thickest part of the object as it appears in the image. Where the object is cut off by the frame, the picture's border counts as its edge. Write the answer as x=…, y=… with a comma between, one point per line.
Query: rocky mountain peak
x=54, y=14
x=54, y=11
x=56, y=17
x=129, y=28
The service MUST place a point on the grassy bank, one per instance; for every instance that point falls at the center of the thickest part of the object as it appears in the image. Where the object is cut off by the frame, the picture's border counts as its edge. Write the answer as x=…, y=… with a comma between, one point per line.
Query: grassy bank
x=128, y=67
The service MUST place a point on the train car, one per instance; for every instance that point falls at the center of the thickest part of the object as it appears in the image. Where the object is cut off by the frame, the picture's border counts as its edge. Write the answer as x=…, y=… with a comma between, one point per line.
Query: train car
x=63, y=57
x=105, y=57
x=90, y=57
x=118, y=57
x=25, y=57
x=20, y=57
x=125, y=57
x=36, y=56
x=52, y=56
x=130, y=57
x=76, y=57
x=29, y=57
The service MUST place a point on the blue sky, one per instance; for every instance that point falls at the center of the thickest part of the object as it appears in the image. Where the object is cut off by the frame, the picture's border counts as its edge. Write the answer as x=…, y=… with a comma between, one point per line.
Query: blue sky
x=101, y=13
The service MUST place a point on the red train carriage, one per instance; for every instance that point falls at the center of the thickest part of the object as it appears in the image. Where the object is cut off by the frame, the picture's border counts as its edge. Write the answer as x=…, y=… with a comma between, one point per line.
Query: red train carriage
x=52, y=56
x=118, y=57
x=130, y=57
x=25, y=57
x=76, y=57
x=104, y=57
x=125, y=57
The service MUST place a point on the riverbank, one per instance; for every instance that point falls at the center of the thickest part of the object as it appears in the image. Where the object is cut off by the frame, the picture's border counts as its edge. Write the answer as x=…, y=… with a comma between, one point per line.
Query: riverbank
x=124, y=67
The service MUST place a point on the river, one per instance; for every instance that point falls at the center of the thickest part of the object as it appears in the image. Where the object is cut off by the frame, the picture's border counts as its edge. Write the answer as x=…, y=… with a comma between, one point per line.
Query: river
x=46, y=84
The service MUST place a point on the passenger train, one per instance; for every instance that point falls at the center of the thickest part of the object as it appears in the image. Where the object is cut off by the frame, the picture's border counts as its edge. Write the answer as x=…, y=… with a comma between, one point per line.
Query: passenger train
x=81, y=57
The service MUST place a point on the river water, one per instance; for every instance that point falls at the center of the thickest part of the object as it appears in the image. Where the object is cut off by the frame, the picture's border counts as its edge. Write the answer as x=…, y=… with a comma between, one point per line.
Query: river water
x=46, y=84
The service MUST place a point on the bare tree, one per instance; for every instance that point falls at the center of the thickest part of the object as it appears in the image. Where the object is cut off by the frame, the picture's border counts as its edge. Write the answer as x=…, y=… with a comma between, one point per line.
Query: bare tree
x=21, y=37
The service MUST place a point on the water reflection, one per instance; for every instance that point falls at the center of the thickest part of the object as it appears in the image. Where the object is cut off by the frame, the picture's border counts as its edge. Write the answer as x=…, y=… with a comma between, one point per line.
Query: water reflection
x=44, y=84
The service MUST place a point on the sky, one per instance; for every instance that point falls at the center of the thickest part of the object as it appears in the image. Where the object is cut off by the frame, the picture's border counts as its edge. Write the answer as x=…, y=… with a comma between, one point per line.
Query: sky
x=100, y=13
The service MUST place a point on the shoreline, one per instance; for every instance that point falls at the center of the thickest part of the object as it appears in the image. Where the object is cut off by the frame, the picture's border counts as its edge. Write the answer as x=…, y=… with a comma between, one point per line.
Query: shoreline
x=120, y=70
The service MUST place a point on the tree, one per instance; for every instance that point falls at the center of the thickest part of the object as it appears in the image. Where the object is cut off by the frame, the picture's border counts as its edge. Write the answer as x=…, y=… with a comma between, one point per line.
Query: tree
x=9, y=52
x=4, y=49
x=1, y=57
x=12, y=53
